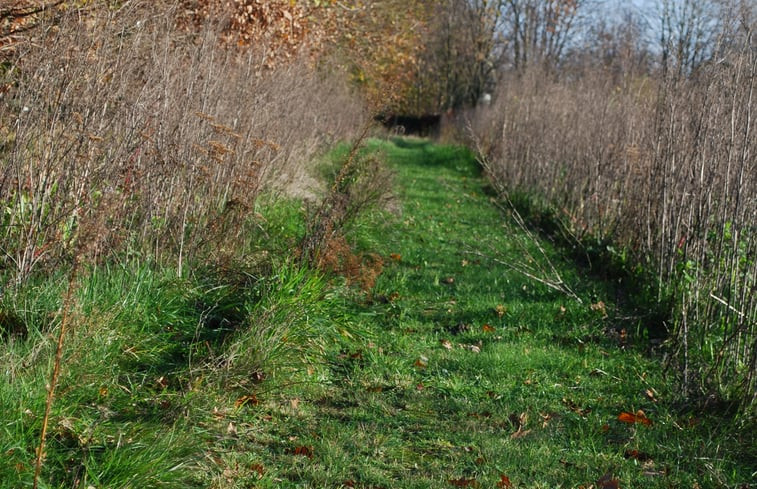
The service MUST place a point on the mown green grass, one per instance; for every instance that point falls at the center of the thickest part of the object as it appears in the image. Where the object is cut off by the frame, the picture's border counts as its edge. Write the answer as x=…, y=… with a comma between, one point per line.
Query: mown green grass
x=403, y=410
x=454, y=371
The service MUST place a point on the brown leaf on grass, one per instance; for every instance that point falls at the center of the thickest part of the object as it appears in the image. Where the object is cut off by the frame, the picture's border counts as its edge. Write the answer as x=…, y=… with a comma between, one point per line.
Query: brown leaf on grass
x=395, y=257
x=464, y=482
x=487, y=328
x=258, y=468
x=607, y=482
x=631, y=418
x=519, y=421
x=446, y=344
x=599, y=307
x=485, y=414
x=575, y=407
x=519, y=434
x=637, y=455
x=302, y=450
x=650, y=394
x=504, y=482
x=421, y=362
x=545, y=419
x=250, y=400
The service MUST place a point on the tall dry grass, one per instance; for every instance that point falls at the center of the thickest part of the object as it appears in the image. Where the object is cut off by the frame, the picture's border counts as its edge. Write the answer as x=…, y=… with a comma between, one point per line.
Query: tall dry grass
x=665, y=171
x=130, y=135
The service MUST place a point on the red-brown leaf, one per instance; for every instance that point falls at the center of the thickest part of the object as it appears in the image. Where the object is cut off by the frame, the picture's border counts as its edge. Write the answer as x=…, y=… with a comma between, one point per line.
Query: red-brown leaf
x=607, y=482
x=637, y=455
x=504, y=482
x=250, y=400
x=305, y=451
x=463, y=482
x=631, y=418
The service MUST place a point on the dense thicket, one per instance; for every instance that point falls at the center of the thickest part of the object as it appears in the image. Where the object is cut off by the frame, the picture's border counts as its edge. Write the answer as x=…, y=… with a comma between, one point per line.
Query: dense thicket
x=642, y=143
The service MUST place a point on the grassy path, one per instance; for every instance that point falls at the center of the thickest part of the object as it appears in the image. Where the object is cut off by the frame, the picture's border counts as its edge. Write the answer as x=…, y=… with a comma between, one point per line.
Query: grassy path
x=472, y=375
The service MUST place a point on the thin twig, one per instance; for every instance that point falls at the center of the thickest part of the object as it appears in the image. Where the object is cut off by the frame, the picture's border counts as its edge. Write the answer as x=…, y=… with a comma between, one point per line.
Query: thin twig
x=65, y=318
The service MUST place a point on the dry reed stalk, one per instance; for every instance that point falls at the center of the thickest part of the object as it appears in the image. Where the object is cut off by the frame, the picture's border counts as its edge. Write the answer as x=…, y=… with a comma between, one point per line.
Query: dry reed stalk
x=662, y=168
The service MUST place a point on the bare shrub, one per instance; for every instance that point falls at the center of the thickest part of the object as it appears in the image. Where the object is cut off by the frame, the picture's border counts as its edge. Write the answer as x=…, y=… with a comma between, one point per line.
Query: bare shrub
x=662, y=168
x=139, y=137
x=361, y=182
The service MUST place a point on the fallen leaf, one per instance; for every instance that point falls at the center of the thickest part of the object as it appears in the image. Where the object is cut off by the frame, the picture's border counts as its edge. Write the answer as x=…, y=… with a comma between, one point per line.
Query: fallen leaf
x=650, y=394
x=421, y=362
x=575, y=407
x=631, y=418
x=463, y=482
x=295, y=403
x=231, y=429
x=504, y=482
x=487, y=328
x=500, y=310
x=519, y=434
x=485, y=414
x=305, y=451
x=446, y=344
x=545, y=419
x=250, y=400
x=607, y=482
x=258, y=468
x=395, y=257
x=637, y=455
x=599, y=307
x=473, y=348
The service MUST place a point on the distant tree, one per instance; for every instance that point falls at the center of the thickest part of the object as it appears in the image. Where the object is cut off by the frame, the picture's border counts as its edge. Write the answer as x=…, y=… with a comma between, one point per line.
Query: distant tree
x=538, y=31
x=462, y=54
x=687, y=30
x=619, y=46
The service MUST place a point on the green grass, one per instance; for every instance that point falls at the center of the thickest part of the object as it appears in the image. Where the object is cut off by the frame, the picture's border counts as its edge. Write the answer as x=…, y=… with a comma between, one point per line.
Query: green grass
x=403, y=410
x=454, y=371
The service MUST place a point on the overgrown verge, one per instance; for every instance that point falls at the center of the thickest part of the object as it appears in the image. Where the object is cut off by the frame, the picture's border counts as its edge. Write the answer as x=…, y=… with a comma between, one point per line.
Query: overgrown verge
x=157, y=162
x=140, y=138
x=156, y=364
x=657, y=171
